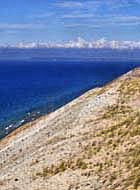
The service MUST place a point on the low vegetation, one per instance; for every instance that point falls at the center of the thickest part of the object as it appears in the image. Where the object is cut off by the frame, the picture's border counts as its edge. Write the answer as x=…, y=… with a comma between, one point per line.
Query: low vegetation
x=113, y=154
x=97, y=136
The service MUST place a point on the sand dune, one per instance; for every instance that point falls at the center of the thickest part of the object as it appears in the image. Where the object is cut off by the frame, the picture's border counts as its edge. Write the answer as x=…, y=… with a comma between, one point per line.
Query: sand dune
x=91, y=143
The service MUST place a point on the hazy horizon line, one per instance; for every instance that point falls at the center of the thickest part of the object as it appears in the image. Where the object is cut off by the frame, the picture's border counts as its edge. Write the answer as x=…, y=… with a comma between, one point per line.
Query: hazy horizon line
x=78, y=43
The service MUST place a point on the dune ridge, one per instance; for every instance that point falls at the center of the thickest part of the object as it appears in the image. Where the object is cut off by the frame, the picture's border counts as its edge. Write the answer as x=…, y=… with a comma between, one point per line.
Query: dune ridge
x=92, y=143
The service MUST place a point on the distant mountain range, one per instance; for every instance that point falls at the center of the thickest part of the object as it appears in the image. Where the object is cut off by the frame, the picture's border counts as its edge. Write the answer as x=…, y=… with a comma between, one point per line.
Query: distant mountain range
x=78, y=43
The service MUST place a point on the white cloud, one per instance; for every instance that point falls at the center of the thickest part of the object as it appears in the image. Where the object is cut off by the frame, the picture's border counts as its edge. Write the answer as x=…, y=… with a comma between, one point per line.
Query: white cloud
x=93, y=12
x=99, y=21
x=126, y=18
x=7, y=26
x=130, y=24
x=69, y=4
x=81, y=25
x=112, y=4
x=42, y=15
x=79, y=5
x=81, y=15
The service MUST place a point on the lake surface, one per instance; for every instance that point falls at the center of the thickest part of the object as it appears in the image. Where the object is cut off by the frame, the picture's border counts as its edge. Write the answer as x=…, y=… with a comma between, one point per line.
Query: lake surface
x=31, y=89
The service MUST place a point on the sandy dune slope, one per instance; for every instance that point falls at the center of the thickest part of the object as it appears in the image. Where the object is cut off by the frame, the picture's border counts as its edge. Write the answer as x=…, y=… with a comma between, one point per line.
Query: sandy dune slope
x=92, y=143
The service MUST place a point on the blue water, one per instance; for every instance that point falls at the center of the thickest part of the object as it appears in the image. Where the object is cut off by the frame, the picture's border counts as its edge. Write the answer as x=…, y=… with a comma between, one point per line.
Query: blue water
x=31, y=89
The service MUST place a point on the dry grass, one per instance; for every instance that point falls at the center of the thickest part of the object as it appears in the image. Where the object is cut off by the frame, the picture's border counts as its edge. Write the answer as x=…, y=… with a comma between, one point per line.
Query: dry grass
x=72, y=164
x=108, y=144
x=129, y=88
x=114, y=152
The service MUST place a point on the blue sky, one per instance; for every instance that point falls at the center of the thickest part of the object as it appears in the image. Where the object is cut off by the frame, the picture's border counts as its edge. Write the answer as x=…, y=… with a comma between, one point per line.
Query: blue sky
x=57, y=20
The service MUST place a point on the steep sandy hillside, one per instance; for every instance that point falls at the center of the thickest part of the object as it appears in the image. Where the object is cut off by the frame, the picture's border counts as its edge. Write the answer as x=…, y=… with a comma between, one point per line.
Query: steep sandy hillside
x=92, y=143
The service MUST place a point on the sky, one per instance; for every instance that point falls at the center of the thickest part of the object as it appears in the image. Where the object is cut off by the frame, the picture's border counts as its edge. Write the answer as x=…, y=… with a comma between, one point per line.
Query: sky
x=64, y=20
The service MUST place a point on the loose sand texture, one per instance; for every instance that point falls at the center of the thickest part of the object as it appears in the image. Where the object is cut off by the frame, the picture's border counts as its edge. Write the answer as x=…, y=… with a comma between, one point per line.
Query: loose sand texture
x=92, y=143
